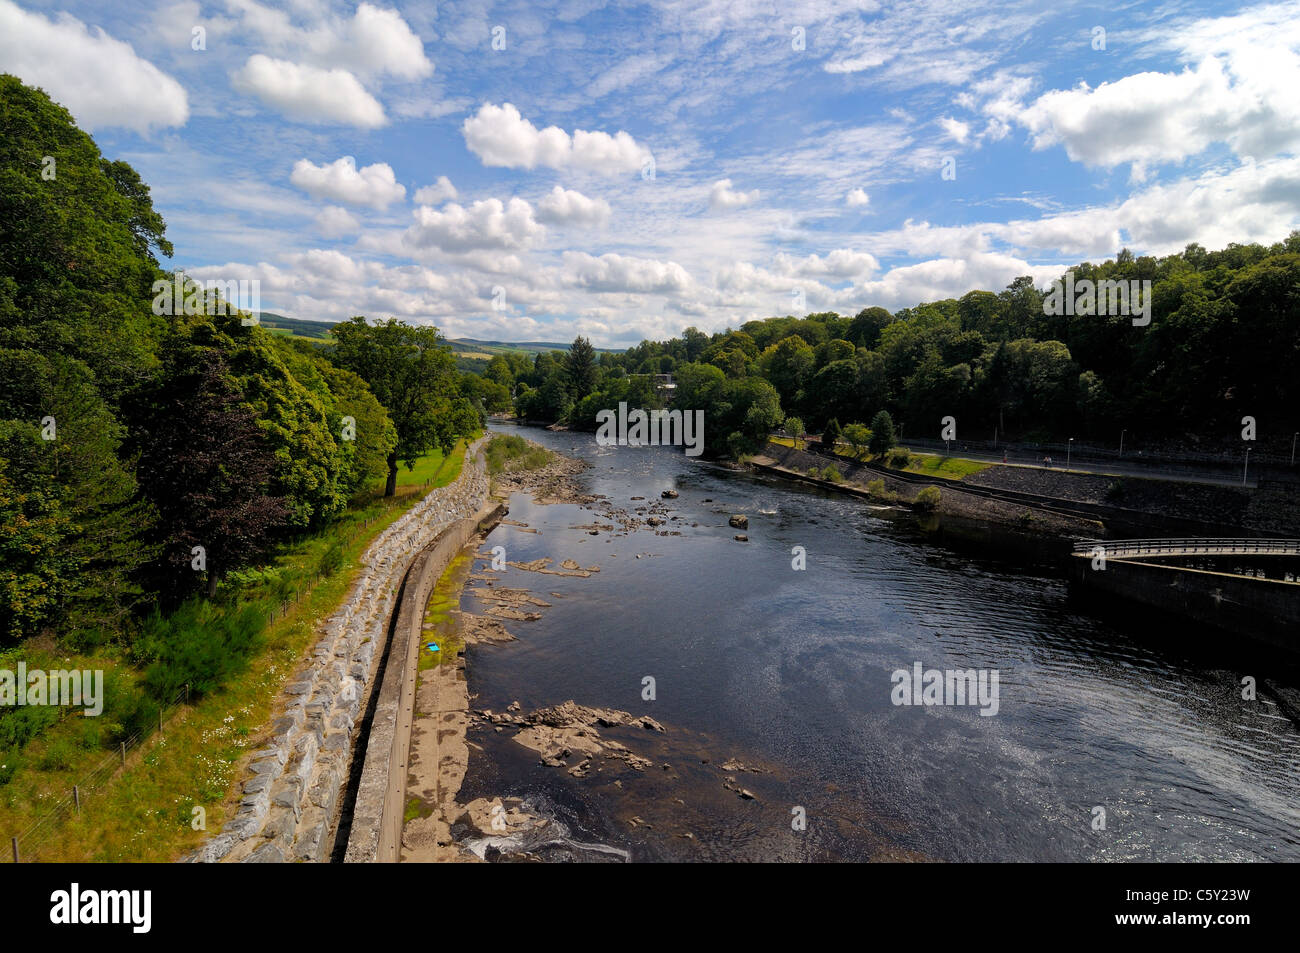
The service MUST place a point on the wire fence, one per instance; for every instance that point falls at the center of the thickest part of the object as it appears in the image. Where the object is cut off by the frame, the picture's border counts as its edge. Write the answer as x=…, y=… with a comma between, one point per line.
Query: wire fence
x=26, y=846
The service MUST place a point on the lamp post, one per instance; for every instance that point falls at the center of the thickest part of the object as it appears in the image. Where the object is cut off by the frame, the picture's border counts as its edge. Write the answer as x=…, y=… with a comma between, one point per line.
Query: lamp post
x=1293, y=436
x=1245, y=467
x=1121, y=442
x=1068, y=447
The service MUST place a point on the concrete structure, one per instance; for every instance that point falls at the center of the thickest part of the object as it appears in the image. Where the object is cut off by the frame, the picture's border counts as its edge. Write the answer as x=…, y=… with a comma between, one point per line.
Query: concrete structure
x=1154, y=573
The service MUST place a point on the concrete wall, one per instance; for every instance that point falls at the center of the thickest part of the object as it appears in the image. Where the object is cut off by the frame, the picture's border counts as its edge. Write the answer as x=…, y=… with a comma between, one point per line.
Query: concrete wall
x=377, y=818
x=1264, y=610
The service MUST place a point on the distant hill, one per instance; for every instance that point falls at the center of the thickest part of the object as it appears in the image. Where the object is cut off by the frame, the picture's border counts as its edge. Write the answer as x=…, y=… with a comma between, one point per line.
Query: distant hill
x=471, y=350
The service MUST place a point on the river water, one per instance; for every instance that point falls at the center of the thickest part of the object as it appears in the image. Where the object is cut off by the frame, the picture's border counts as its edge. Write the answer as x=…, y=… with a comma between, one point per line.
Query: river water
x=789, y=671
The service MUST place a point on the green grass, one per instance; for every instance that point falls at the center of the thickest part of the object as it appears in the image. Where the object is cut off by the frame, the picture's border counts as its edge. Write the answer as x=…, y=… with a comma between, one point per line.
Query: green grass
x=508, y=452
x=951, y=468
x=439, y=621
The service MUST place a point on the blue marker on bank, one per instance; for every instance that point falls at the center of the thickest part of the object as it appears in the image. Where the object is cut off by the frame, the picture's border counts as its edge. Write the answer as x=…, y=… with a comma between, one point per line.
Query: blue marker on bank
x=433, y=646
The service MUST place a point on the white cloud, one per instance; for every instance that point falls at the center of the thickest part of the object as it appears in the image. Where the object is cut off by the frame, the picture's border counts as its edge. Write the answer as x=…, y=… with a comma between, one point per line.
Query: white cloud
x=723, y=197
x=341, y=181
x=309, y=93
x=436, y=194
x=500, y=136
x=1238, y=88
x=955, y=129
x=335, y=222
x=99, y=79
x=623, y=273
x=569, y=207
x=857, y=198
x=379, y=41
x=488, y=224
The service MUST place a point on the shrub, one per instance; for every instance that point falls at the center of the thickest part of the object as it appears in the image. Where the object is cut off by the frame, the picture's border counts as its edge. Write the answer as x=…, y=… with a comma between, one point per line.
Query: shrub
x=198, y=645
x=882, y=432
x=898, y=457
x=877, y=489
x=832, y=474
x=927, y=499
x=331, y=561
x=831, y=435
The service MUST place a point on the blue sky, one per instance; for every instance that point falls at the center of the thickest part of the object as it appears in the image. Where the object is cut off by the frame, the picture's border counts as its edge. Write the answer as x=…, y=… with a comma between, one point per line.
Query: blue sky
x=528, y=171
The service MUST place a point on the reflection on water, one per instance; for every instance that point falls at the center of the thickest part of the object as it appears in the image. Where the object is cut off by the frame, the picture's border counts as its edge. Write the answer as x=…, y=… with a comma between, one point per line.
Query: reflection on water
x=791, y=669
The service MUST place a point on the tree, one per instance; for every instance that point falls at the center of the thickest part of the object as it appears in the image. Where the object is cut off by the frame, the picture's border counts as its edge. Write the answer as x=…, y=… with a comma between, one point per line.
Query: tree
x=831, y=435
x=410, y=372
x=206, y=466
x=858, y=436
x=580, y=368
x=795, y=428
x=882, y=433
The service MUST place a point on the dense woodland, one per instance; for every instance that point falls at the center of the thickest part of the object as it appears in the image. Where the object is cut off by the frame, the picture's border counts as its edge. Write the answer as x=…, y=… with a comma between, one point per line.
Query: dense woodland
x=145, y=457
x=1223, y=343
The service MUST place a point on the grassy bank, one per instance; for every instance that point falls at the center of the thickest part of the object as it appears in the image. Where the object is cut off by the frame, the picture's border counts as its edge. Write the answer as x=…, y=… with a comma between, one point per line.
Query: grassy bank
x=145, y=810
x=909, y=461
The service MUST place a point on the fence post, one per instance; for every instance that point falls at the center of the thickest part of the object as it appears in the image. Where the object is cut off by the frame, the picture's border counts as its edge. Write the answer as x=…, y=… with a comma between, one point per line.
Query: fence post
x=123, y=754
x=14, y=841
x=160, y=721
x=76, y=798
x=187, y=693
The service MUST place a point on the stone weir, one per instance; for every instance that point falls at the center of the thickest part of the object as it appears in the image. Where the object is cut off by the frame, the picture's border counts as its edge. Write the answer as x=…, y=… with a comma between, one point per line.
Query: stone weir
x=293, y=786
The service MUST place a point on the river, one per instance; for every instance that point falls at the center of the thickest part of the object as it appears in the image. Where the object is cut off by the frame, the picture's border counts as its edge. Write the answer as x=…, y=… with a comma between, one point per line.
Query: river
x=1099, y=720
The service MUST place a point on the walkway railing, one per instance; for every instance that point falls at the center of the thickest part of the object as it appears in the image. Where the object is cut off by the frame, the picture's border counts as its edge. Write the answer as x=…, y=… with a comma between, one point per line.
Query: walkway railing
x=1190, y=546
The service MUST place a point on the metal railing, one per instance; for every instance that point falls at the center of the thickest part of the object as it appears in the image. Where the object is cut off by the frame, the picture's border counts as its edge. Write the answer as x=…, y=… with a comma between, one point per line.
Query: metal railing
x=1191, y=546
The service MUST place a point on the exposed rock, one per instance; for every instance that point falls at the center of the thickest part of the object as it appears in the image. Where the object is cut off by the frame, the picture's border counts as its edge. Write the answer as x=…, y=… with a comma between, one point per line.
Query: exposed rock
x=739, y=521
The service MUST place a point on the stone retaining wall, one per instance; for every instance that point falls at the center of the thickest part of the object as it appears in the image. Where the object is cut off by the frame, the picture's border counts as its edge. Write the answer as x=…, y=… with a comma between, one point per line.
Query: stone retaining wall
x=293, y=785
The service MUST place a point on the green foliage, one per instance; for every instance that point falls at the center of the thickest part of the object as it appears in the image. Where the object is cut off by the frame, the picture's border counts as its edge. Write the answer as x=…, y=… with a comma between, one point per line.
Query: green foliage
x=506, y=452
x=831, y=474
x=199, y=644
x=927, y=499
x=882, y=433
x=857, y=436
x=831, y=435
x=898, y=457
x=410, y=372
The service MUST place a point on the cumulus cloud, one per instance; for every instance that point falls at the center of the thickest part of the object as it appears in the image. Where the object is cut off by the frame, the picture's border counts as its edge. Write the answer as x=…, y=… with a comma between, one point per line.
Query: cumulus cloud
x=441, y=191
x=1237, y=88
x=500, y=136
x=955, y=129
x=623, y=273
x=335, y=222
x=309, y=93
x=857, y=198
x=723, y=197
x=380, y=42
x=569, y=207
x=487, y=224
x=341, y=181
x=99, y=79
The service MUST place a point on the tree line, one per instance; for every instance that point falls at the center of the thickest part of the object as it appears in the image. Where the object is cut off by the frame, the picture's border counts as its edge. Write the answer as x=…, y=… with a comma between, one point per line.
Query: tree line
x=144, y=457
x=1222, y=344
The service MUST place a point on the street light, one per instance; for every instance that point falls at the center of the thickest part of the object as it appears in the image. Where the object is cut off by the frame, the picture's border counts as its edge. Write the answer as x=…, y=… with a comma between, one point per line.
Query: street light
x=1245, y=467
x=1293, y=436
x=1068, y=447
x=1121, y=442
